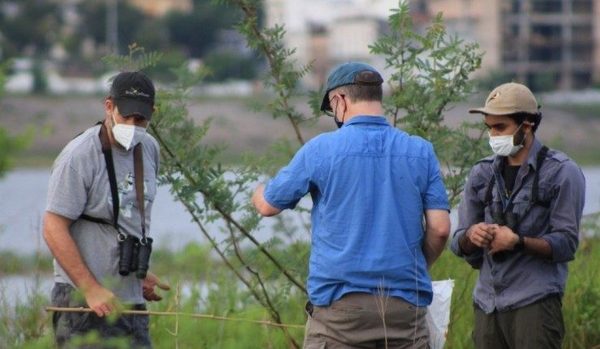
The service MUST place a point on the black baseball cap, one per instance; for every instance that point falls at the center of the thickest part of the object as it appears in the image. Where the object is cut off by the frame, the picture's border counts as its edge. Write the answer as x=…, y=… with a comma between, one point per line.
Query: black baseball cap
x=133, y=93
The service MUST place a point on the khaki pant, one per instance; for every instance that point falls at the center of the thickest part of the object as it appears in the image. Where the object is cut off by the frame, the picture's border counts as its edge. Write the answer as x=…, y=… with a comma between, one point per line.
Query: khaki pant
x=535, y=326
x=356, y=321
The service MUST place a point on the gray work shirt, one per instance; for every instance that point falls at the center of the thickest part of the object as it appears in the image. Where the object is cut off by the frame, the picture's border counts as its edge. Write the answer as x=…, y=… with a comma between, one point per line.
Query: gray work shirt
x=520, y=279
x=79, y=185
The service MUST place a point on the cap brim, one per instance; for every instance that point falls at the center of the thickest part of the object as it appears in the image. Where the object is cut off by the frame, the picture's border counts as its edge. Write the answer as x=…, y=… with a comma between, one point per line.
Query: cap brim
x=129, y=107
x=477, y=111
x=490, y=111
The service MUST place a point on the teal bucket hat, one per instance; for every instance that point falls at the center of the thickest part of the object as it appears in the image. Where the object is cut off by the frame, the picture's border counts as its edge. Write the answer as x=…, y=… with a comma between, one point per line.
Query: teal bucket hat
x=352, y=73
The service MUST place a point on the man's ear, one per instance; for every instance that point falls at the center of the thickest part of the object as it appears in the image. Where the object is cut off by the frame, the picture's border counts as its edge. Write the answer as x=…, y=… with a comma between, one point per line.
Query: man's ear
x=529, y=124
x=108, y=105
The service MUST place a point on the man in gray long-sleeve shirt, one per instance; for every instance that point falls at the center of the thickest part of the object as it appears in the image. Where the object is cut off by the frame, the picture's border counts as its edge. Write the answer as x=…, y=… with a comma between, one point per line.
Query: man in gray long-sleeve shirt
x=518, y=224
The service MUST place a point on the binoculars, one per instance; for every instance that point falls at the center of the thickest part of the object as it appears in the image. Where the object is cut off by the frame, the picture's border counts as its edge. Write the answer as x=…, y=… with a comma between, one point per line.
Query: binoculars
x=134, y=256
x=509, y=219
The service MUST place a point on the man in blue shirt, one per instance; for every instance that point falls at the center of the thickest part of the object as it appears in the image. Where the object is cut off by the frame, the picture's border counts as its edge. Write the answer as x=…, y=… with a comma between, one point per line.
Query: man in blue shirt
x=519, y=225
x=372, y=187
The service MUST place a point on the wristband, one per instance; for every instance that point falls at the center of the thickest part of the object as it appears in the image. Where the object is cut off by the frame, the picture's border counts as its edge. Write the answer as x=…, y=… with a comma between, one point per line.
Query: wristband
x=520, y=245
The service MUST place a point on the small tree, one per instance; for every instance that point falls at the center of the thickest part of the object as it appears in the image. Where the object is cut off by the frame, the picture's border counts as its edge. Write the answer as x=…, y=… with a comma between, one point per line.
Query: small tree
x=430, y=72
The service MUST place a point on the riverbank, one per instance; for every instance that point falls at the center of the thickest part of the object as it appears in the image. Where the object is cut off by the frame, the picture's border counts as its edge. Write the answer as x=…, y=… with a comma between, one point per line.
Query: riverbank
x=240, y=124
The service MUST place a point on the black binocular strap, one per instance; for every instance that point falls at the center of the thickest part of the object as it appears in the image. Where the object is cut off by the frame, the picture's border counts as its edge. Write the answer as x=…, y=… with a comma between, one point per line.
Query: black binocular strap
x=110, y=169
x=539, y=162
x=138, y=168
x=541, y=156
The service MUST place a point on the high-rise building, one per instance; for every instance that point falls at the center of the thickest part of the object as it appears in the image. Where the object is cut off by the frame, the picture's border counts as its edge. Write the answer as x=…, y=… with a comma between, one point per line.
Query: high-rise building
x=543, y=43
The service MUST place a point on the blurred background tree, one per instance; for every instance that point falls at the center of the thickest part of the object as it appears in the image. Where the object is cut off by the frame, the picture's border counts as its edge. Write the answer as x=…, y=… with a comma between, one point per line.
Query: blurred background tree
x=28, y=27
x=9, y=145
x=75, y=37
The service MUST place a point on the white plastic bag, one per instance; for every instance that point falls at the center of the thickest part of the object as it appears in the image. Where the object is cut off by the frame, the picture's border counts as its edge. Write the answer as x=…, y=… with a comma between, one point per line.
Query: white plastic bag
x=438, y=313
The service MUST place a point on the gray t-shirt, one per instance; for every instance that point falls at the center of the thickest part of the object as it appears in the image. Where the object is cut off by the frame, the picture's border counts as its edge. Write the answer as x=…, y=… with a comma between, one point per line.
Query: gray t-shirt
x=79, y=185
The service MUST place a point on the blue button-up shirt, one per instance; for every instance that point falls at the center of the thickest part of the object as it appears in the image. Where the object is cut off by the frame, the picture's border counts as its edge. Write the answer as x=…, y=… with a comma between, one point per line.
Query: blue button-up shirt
x=520, y=279
x=370, y=184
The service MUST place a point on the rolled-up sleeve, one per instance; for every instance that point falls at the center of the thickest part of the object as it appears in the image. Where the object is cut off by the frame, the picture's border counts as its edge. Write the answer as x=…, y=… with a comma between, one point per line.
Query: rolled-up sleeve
x=566, y=209
x=435, y=197
x=470, y=211
x=291, y=183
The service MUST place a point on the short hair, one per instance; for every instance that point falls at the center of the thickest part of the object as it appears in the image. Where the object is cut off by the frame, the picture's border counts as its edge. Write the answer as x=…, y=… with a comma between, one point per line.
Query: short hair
x=536, y=119
x=362, y=93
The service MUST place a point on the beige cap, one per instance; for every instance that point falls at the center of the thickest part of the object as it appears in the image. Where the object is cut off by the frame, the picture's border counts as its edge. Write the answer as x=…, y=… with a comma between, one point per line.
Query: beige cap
x=507, y=99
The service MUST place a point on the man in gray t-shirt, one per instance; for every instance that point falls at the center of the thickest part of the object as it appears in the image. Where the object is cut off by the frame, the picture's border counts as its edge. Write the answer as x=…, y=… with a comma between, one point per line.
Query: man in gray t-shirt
x=79, y=224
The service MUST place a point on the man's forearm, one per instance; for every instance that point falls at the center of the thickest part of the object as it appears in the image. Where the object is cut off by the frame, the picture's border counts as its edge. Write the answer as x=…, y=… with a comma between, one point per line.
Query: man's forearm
x=261, y=204
x=437, y=229
x=537, y=247
x=65, y=251
x=433, y=248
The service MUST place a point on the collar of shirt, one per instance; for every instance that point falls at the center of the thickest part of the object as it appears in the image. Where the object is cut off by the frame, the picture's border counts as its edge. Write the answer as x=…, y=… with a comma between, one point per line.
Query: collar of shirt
x=367, y=119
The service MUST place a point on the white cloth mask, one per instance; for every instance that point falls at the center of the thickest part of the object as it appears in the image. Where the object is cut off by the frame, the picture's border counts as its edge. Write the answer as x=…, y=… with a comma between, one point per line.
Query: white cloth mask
x=505, y=145
x=128, y=135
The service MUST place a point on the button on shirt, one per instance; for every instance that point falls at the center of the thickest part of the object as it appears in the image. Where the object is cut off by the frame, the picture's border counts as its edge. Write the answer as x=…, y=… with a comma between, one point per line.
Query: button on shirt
x=520, y=279
x=370, y=184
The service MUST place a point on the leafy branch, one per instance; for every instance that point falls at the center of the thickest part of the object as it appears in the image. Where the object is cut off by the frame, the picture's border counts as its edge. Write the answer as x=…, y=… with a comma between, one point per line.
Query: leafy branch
x=430, y=72
x=283, y=77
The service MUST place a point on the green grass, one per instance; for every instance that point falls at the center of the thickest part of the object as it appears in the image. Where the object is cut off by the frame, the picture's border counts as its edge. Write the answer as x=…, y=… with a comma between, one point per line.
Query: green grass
x=27, y=325
x=12, y=263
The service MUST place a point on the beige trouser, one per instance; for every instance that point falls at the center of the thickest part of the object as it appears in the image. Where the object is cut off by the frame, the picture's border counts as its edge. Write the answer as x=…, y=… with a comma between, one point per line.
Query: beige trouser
x=356, y=321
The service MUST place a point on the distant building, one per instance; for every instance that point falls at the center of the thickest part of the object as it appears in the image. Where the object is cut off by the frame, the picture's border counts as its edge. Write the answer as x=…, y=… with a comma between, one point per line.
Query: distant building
x=159, y=8
x=544, y=43
x=540, y=42
x=328, y=32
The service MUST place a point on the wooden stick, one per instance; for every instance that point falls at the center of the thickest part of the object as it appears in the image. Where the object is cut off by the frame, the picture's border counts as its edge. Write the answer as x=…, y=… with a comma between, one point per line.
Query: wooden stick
x=171, y=313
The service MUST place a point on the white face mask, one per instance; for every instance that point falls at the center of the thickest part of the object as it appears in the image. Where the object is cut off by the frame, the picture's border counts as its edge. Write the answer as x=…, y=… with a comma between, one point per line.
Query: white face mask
x=128, y=135
x=505, y=145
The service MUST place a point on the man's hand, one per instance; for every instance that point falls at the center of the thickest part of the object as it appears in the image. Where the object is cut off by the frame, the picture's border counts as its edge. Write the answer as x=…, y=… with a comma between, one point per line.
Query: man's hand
x=101, y=300
x=480, y=235
x=148, y=285
x=504, y=238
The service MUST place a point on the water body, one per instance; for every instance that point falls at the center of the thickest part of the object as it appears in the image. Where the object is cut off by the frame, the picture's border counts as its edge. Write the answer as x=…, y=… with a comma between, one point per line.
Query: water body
x=23, y=199
x=20, y=289
x=22, y=203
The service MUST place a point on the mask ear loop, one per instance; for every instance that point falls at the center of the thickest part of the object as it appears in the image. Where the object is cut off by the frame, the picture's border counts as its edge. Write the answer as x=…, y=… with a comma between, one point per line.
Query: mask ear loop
x=335, y=112
x=528, y=123
x=343, y=115
x=112, y=114
x=335, y=118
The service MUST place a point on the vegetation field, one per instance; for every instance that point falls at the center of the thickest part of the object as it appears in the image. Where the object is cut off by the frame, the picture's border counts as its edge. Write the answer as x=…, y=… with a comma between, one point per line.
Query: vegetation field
x=201, y=284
